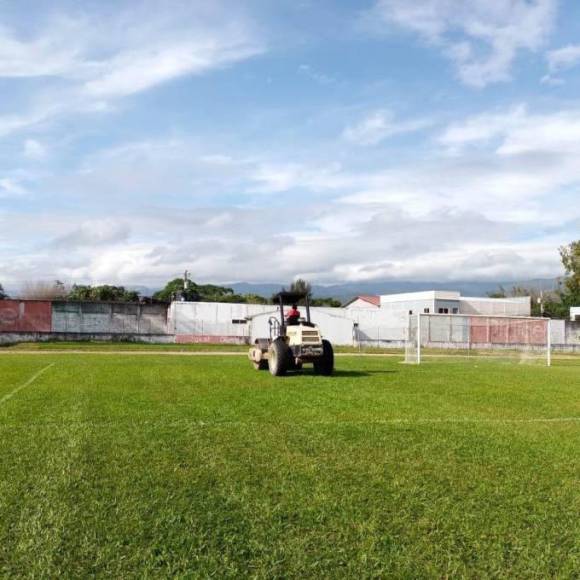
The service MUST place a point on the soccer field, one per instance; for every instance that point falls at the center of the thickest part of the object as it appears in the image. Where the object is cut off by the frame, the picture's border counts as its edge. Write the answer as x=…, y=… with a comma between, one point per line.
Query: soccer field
x=152, y=465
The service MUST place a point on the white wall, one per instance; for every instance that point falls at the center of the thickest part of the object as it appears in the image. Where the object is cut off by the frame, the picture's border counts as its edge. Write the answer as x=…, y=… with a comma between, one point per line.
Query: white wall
x=213, y=318
x=433, y=299
x=333, y=326
x=429, y=296
x=360, y=303
x=575, y=313
x=558, y=331
x=389, y=323
x=496, y=306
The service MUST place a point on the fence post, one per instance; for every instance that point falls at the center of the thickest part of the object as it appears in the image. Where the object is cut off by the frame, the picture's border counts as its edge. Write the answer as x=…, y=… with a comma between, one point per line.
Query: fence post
x=549, y=342
x=418, y=338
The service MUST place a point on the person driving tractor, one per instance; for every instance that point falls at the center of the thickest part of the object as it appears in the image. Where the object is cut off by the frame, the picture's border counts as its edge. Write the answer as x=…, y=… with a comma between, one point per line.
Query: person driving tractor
x=293, y=315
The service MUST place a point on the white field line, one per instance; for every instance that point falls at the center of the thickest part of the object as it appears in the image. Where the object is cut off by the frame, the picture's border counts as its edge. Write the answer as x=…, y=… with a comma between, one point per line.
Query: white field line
x=187, y=423
x=402, y=421
x=468, y=420
x=26, y=384
x=202, y=353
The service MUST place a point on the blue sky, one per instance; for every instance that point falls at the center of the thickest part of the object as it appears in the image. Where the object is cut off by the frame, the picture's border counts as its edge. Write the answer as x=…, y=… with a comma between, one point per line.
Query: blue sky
x=259, y=141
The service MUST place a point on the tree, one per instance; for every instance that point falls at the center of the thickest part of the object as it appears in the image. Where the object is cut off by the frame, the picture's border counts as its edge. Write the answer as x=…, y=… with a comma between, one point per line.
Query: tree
x=103, y=293
x=185, y=289
x=3, y=295
x=570, y=287
x=537, y=297
x=301, y=286
x=175, y=290
x=254, y=299
x=554, y=303
x=42, y=290
x=499, y=293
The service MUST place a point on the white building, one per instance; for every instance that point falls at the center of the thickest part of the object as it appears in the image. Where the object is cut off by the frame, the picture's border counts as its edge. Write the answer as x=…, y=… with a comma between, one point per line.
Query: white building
x=358, y=321
x=575, y=314
x=449, y=302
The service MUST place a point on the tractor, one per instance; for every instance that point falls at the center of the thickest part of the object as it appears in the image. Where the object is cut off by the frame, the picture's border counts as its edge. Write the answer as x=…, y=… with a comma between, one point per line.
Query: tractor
x=292, y=342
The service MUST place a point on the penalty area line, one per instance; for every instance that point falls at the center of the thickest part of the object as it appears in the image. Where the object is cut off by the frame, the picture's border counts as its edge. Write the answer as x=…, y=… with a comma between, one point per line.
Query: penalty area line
x=26, y=384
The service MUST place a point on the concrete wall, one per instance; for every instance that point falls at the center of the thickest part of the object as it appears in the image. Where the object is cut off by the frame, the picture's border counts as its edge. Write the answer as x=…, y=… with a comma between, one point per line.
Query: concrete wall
x=558, y=331
x=360, y=303
x=380, y=327
x=109, y=318
x=573, y=332
x=218, y=322
x=25, y=316
x=16, y=337
x=333, y=327
x=222, y=322
x=521, y=306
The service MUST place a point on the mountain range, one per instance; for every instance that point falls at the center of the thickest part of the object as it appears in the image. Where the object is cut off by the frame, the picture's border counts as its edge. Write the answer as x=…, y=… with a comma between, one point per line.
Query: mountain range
x=348, y=290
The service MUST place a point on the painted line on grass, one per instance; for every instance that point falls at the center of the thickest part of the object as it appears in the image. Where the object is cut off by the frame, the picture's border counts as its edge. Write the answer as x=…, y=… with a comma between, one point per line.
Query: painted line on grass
x=200, y=424
x=436, y=420
x=563, y=357
x=26, y=384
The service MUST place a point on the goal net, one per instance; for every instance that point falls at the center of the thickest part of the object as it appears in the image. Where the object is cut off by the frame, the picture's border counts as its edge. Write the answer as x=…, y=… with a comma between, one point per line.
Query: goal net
x=524, y=339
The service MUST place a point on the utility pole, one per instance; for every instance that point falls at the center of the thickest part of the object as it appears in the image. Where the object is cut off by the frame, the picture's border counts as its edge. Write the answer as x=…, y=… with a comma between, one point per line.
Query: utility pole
x=540, y=299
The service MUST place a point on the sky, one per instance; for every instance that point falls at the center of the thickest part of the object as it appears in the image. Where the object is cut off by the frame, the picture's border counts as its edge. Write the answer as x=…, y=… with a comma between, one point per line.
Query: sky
x=251, y=140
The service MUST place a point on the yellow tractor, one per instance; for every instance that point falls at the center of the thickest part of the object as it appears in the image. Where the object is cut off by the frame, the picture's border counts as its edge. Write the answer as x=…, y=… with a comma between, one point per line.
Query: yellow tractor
x=292, y=342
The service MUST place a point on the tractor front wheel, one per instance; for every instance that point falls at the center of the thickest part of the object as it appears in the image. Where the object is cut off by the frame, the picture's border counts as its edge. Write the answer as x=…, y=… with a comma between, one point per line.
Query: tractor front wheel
x=260, y=366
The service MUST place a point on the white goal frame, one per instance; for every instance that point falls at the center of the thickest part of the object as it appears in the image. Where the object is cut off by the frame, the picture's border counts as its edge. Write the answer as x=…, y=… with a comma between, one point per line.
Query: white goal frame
x=529, y=336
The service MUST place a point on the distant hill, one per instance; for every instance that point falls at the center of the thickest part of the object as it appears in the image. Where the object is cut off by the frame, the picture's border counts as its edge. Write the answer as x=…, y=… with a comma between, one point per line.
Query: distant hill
x=345, y=292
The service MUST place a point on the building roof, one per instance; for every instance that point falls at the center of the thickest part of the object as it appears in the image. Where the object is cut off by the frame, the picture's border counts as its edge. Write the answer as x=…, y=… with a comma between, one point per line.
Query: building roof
x=374, y=300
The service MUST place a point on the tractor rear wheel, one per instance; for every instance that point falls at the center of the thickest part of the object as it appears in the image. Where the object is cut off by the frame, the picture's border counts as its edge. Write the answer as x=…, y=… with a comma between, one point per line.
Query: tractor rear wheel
x=279, y=358
x=325, y=364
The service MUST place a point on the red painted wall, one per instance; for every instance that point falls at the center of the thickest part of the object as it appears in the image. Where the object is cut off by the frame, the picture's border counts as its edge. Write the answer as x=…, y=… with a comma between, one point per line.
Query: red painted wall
x=508, y=331
x=209, y=339
x=25, y=316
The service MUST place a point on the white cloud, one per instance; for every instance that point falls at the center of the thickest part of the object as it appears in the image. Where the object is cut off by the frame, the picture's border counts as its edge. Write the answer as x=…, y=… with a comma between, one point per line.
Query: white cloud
x=50, y=54
x=99, y=57
x=133, y=71
x=380, y=125
x=33, y=149
x=317, y=76
x=482, y=128
x=564, y=58
x=518, y=132
x=482, y=37
x=480, y=214
x=94, y=233
x=274, y=178
x=498, y=208
x=11, y=188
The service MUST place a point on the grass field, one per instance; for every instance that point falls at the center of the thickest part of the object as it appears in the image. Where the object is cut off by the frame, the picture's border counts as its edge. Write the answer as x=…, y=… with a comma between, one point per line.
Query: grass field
x=90, y=346
x=141, y=466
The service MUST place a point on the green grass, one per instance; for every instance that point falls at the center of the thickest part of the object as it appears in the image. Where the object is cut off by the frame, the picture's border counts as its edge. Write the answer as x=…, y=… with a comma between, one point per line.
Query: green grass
x=143, y=346
x=89, y=345
x=132, y=466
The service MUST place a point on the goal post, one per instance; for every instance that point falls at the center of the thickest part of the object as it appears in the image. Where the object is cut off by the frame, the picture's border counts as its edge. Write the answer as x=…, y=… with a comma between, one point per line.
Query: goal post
x=526, y=339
